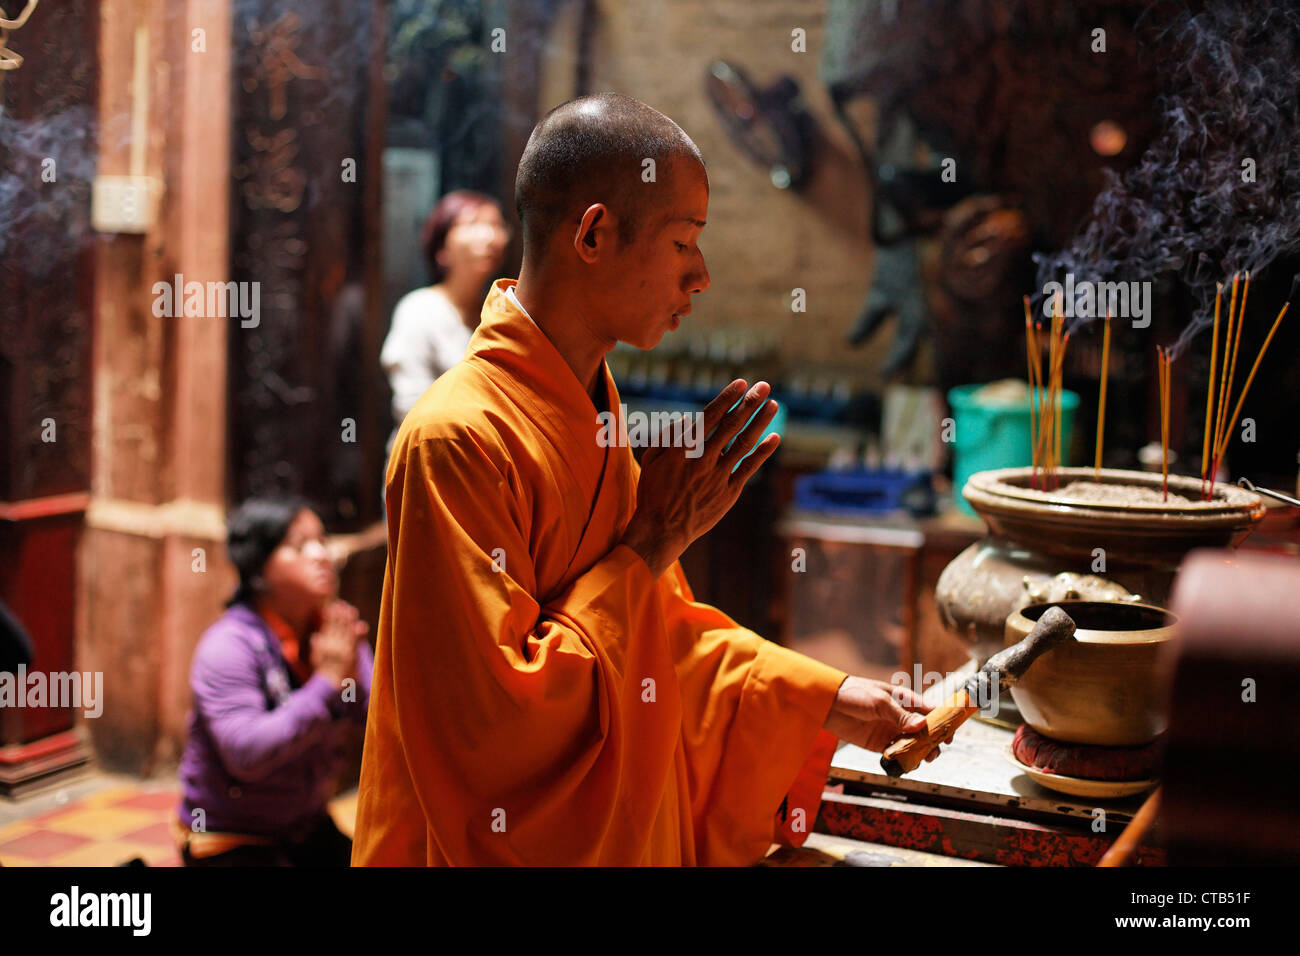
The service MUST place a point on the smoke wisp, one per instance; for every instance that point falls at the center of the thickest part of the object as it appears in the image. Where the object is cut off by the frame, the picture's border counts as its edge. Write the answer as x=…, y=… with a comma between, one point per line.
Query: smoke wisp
x=1218, y=189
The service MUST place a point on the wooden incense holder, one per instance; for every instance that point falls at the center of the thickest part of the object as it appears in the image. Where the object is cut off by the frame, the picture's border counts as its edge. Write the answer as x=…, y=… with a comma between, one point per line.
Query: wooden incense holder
x=906, y=753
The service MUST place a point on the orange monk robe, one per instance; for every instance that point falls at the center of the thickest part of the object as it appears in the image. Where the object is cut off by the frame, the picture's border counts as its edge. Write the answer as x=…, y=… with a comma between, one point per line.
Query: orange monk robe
x=538, y=696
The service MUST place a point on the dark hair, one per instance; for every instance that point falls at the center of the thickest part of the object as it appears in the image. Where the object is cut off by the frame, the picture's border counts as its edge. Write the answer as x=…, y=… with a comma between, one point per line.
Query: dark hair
x=591, y=149
x=434, y=234
x=253, y=531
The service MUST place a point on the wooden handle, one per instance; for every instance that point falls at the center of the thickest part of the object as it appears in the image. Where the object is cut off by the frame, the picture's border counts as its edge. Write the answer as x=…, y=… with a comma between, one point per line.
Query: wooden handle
x=1126, y=843
x=905, y=754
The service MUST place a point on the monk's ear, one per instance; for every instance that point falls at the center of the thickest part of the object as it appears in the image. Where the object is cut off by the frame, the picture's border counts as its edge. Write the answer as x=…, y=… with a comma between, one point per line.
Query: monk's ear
x=594, y=234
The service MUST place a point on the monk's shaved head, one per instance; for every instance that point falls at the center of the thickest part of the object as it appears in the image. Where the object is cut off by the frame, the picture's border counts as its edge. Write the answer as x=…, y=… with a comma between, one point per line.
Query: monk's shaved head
x=593, y=150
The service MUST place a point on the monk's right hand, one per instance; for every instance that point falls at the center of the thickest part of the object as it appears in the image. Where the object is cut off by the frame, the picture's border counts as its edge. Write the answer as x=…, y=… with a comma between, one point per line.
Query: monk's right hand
x=873, y=714
x=679, y=497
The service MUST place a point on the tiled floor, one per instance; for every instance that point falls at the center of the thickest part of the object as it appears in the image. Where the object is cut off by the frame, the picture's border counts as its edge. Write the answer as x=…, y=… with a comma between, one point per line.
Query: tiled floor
x=102, y=820
x=105, y=821
x=110, y=826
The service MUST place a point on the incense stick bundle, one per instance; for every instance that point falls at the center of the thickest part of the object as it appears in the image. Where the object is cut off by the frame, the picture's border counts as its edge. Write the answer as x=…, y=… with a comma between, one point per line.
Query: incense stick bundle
x=1057, y=404
x=1101, y=401
x=1221, y=399
x=1232, y=419
x=1045, y=405
x=1232, y=370
x=1049, y=431
x=1236, y=346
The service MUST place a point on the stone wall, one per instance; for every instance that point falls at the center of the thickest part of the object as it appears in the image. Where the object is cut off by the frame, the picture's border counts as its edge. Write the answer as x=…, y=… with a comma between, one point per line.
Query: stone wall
x=761, y=242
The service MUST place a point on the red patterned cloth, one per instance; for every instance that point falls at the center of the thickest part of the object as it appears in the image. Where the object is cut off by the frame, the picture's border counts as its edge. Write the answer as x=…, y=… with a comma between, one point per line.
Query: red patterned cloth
x=1084, y=760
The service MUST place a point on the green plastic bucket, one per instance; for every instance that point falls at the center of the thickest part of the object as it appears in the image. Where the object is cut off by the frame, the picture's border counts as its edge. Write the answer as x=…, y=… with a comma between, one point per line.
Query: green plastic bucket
x=996, y=435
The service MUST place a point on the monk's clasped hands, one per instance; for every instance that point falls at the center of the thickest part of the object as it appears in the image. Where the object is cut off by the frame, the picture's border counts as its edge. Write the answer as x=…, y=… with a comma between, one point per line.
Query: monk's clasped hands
x=680, y=497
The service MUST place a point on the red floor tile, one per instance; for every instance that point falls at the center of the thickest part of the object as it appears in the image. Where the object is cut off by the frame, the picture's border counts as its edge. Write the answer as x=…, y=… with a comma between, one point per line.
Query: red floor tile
x=159, y=834
x=164, y=800
x=49, y=816
x=42, y=844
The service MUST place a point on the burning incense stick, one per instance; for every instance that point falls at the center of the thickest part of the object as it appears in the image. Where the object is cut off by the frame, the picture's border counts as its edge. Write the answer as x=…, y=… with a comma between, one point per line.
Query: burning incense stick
x=1209, y=393
x=1160, y=396
x=1057, y=403
x=1031, y=355
x=1054, y=338
x=1042, y=442
x=1101, y=402
x=1163, y=359
x=1040, y=396
x=1169, y=399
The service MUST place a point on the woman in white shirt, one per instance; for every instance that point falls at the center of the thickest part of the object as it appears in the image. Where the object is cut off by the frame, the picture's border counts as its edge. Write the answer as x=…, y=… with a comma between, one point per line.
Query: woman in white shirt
x=464, y=242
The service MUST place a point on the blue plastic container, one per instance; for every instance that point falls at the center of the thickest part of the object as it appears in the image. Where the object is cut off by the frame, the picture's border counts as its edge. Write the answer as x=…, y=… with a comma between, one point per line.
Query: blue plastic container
x=865, y=492
x=992, y=435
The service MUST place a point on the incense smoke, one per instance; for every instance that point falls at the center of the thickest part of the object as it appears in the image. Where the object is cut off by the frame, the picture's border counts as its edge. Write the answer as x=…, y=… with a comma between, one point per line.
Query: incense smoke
x=48, y=162
x=46, y=166
x=1218, y=190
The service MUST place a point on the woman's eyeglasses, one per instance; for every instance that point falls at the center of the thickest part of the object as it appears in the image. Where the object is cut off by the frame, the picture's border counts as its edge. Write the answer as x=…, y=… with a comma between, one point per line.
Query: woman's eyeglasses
x=310, y=547
x=484, y=230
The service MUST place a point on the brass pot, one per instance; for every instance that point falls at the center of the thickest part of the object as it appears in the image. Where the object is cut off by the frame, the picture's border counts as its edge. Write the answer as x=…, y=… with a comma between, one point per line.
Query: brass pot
x=1109, y=686
x=1049, y=547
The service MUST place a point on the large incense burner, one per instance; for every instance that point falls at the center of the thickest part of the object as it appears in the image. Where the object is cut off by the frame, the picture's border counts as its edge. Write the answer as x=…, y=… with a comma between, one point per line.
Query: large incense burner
x=1100, y=539
x=1105, y=535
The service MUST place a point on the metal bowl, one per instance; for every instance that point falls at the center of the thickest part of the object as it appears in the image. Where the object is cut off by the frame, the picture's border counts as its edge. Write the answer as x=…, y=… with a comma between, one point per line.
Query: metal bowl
x=1106, y=687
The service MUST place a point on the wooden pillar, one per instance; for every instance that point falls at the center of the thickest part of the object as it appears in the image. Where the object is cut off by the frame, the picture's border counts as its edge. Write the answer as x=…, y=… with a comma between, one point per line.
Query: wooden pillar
x=153, y=571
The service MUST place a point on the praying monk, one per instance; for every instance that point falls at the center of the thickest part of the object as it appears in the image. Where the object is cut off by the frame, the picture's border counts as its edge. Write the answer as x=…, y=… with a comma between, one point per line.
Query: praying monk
x=546, y=688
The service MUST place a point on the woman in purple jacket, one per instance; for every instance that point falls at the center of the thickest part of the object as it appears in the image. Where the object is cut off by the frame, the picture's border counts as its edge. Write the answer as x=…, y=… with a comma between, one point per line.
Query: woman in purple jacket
x=275, y=681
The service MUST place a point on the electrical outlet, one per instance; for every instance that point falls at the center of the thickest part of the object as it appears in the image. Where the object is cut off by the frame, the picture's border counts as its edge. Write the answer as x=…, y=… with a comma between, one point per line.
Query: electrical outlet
x=127, y=204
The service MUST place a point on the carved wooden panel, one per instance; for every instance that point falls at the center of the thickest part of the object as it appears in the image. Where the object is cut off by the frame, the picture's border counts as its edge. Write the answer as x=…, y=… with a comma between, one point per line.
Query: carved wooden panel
x=47, y=159
x=309, y=365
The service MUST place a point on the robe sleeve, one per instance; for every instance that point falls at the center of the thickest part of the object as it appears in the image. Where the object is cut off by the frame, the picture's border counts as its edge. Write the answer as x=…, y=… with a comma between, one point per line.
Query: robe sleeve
x=753, y=713
x=229, y=696
x=521, y=725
